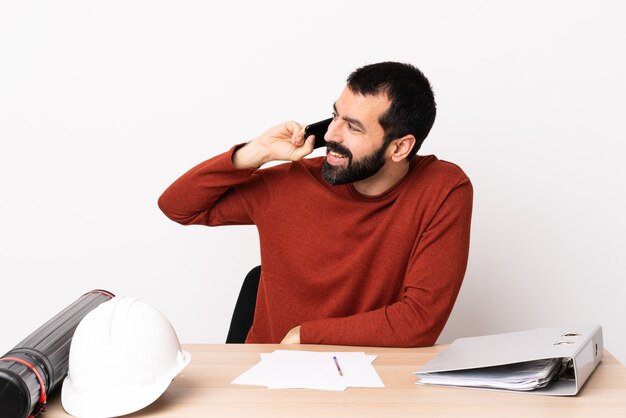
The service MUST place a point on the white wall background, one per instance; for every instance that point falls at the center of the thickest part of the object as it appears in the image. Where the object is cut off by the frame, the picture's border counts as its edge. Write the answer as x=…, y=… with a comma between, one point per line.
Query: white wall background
x=103, y=104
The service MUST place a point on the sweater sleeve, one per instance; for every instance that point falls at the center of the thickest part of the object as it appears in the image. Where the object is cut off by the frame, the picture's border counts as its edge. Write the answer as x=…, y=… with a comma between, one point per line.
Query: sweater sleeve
x=431, y=284
x=205, y=194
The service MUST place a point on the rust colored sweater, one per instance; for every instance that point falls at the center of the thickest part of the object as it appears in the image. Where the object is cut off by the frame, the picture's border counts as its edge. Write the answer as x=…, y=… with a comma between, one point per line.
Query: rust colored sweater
x=350, y=269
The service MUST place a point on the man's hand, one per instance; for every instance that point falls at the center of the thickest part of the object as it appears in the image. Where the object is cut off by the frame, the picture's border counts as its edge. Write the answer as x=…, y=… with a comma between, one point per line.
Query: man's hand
x=292, y=337
x=284, y=142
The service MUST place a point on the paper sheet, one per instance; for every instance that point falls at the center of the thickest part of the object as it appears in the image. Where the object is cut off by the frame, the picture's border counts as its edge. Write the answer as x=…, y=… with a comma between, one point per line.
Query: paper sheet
x=285, y=369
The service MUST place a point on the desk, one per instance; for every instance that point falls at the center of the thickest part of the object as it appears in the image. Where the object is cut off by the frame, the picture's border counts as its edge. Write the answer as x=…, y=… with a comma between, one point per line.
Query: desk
x=204, y=390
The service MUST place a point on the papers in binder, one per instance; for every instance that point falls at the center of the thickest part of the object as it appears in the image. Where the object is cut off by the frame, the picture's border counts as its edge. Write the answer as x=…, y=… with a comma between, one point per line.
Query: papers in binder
x=528, y=375
x=547, y=361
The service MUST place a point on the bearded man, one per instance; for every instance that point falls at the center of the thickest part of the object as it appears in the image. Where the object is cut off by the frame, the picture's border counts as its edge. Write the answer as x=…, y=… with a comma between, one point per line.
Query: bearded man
x=366, y=246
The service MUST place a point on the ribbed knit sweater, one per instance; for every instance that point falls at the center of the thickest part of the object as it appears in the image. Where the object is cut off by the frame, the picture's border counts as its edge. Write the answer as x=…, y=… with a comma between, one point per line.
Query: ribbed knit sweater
x=350, y=269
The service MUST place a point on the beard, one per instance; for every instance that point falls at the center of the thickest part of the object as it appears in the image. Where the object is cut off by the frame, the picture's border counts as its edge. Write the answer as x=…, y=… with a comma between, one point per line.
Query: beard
x=356, y=170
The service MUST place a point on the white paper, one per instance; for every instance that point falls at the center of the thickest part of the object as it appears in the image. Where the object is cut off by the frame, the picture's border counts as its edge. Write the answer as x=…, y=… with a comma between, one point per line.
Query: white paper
x=253, y=376
x=286, y=369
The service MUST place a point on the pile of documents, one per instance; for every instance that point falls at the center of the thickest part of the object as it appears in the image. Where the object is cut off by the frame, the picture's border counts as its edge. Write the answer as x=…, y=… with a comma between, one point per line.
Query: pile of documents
x=285, y=369
x=527, y=375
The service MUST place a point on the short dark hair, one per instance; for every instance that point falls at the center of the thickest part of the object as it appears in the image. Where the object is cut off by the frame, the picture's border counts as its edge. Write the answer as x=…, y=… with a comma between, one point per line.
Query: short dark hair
x=412, y=109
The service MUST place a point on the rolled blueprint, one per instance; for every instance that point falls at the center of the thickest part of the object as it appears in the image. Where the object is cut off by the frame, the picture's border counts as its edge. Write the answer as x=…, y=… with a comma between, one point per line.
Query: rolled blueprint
x=38, y=364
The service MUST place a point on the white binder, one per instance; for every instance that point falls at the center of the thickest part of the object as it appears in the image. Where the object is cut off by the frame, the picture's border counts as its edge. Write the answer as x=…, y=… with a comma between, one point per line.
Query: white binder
x=582, y=344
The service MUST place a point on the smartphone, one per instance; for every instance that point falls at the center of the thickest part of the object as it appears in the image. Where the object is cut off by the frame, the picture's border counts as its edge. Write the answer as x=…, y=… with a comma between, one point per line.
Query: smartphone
x=319, y=130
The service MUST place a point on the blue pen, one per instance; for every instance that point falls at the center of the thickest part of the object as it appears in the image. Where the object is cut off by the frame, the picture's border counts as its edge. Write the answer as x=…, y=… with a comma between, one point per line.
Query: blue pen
x=337, y=364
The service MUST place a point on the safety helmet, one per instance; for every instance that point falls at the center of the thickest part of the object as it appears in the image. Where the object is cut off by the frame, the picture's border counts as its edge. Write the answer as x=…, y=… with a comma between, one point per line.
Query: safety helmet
x=123, y=356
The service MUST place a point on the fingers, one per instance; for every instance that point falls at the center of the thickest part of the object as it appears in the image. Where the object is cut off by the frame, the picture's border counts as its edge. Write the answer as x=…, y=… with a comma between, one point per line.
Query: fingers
x=286, y=142
x=302, y=146
x=297, y=134
x=304, y=149
x=292, y=337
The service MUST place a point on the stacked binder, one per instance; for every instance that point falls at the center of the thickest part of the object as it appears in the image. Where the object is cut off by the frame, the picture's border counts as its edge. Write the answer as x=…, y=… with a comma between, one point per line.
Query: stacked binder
x=547, y=361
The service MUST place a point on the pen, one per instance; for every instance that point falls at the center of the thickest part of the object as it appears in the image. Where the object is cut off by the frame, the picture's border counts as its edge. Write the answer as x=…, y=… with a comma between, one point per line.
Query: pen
x=337, y=364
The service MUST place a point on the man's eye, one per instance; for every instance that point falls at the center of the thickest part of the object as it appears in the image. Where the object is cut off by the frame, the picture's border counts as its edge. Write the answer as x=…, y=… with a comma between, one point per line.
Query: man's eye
x=334, y=116
x=352, y=127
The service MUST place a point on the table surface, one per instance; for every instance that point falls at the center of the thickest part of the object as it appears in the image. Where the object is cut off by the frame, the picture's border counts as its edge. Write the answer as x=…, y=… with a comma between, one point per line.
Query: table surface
x=204, y=390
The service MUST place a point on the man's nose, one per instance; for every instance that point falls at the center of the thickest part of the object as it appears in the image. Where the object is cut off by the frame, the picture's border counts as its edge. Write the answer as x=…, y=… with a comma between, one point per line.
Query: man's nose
x=333, y=133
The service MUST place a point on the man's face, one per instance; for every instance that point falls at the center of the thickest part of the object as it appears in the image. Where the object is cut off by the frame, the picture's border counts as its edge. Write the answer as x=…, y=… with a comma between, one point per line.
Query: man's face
x=354, y=140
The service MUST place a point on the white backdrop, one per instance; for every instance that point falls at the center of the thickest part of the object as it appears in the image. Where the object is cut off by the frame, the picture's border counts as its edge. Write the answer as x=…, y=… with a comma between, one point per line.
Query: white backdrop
x=103, y=105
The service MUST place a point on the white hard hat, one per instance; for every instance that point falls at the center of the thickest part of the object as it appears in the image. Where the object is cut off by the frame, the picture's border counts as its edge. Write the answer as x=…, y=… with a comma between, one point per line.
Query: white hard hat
x=123, y=356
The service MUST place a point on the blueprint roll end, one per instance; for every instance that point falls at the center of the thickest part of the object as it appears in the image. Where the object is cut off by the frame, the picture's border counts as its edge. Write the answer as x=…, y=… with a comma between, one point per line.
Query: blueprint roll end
x=15, y=398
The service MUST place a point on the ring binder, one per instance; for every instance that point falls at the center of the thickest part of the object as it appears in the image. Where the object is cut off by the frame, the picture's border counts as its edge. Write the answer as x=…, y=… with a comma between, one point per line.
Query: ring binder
x=579, y=347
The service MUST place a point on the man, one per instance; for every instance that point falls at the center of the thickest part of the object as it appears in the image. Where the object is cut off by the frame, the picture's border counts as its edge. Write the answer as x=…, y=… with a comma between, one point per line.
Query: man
x=366, y=246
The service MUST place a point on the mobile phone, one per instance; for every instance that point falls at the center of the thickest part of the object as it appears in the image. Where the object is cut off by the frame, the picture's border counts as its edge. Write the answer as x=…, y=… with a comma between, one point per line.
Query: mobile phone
x=319, y=130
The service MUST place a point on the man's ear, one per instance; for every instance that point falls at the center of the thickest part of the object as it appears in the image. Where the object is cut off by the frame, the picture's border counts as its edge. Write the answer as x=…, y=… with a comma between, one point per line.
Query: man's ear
x=401, y=147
